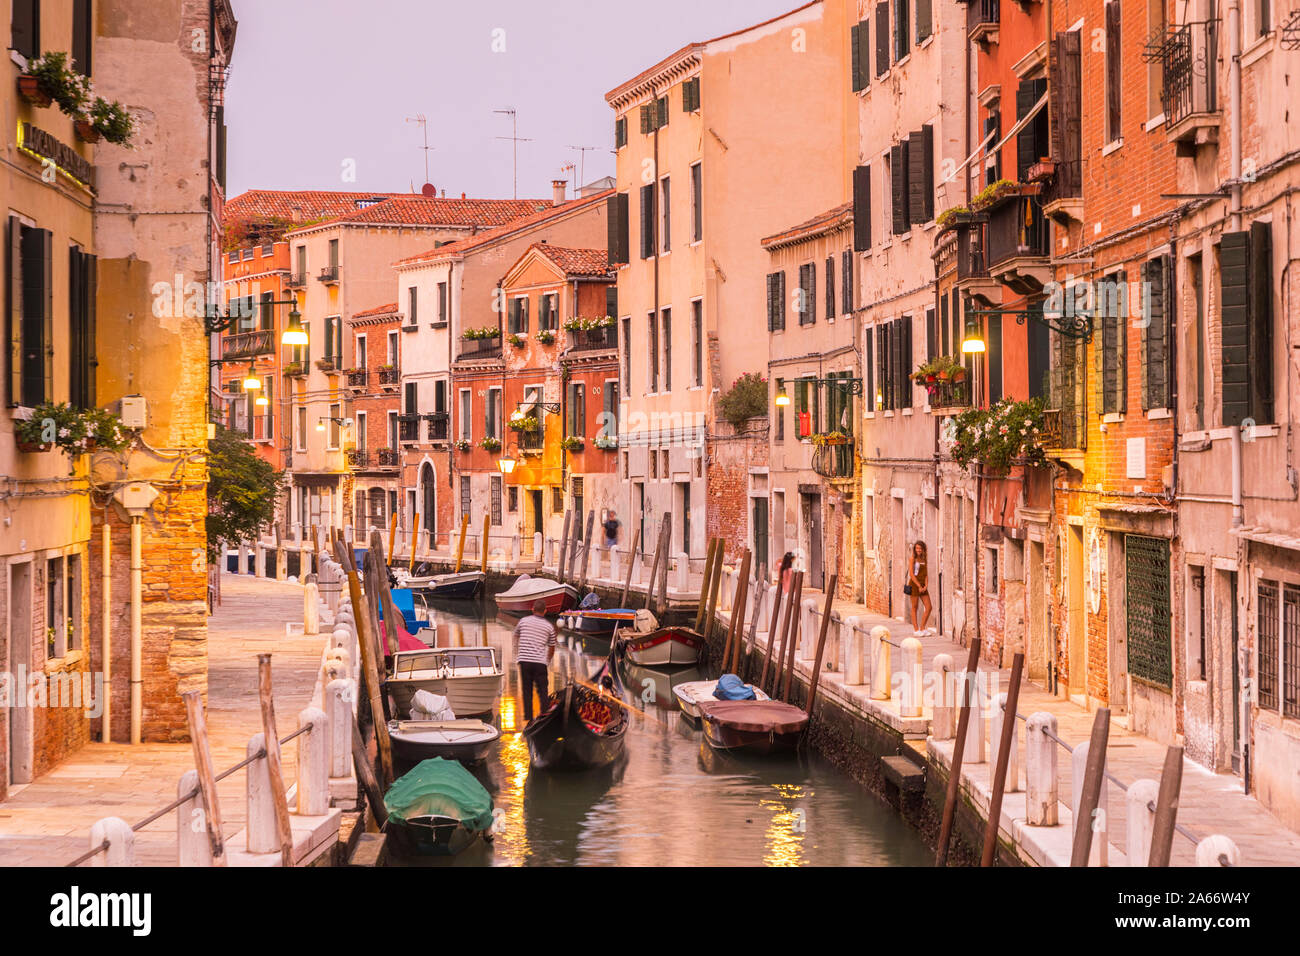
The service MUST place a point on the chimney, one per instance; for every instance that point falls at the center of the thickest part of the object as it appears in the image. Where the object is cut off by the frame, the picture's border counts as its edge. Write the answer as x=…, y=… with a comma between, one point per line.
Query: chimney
x=557, y=191
x=296, y=212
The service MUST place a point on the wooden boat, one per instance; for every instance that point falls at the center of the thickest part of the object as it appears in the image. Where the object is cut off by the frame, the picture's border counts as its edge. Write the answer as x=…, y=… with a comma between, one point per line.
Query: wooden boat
x=521, y=595
x=468, y=741
x=598, y=622
x=462, y=586
x=693, y=693
x=757, y=727
x=662, y=647
x=437, y=809
x=469, y=677
x=581, y=729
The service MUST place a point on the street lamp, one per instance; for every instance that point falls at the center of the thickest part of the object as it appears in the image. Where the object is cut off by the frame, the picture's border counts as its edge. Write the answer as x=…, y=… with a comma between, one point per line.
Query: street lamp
x=972, y=342
x=782, y=398
x=251, y=382
x=506, y=463
x=262, y=401
x=294, y=333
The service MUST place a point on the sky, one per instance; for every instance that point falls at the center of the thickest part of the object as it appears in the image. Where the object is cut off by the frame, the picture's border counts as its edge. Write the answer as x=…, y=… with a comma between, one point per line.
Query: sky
x=320, y=90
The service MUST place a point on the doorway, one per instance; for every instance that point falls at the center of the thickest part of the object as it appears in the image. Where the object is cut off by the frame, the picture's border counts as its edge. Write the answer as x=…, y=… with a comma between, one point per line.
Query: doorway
x=1077, y=651
x=760, y=533
x=812, y=520
x=21, y=755
x=430, y=516
x=1036, y=639
x=534, y=518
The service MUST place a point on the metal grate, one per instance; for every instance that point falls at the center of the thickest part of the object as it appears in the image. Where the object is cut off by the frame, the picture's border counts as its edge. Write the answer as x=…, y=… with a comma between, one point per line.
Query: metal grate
x=1291, y=651
x=1266, y=606
x=1146, y=574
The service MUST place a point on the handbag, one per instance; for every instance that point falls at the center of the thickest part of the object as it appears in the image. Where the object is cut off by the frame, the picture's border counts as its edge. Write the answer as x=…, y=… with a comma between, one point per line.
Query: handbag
x=907, y=588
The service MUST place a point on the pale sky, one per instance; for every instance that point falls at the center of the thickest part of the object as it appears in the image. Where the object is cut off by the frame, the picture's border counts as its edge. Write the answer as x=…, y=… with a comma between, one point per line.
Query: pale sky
x=321, y=88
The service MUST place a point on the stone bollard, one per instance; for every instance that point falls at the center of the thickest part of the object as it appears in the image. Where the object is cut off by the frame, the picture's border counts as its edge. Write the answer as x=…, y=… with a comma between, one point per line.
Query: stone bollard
x=1040, y=771
x=281, y=564
x=996, y=719
x=944, y=722
x=243, y=559
x=1217, y=850
x=341, y=637
x=192, y=845
x=911, y=678
x=548, y=557
x=515, y=550
x=1141, y=821
x=314, y=763
x=263, y=836
x=1100, y=852
x=121, y=842
x=615, y=566
x=834, y=655
x=682, y=575
x=304, y=561
x=339, y=695
x=976, y=729
x=259, y=562
x=855, y=652
x=311, y=609
x=810, y=629
x=537, y=547
x=881, y=676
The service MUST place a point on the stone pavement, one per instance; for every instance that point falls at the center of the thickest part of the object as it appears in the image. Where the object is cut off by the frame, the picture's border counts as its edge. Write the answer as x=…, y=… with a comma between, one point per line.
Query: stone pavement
x=47, y=822
x=1210, y=802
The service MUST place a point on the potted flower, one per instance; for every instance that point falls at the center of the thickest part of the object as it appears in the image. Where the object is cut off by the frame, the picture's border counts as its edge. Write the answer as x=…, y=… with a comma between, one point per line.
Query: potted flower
x=56, y=81
x=516, y=340
x=605, y=442
x=85, y=130
x=527, y=423
x=104, y=430
x=545, y=337
x=111, y=121
x=490, y=444
x=572, y=443
x=462, y=444
x=831, y=438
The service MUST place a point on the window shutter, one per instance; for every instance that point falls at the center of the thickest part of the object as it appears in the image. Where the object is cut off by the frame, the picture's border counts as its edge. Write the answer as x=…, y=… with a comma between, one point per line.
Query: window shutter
x=922, y=19
x=902, y=22
x=1070, y=116
x=830, y=287
x=1025, y=100
x=846, y=282
x=90, y=267
x=662, y=109
x=855, y=56
x=26, y=27
x=916, y=178
x=905, y=365
x=927, y=172
x=624, y=228
x=943, y=326
x=863, y=57
x=14, y=253
x=994, y=334
x=882, y=37
x=771, y=301
x=647, y=221
x=646, y=126
x=1261, y=321
x=1155, y=337
x=862, y=208
x=870, y=367
x=1121, y=344
x=620, y=132
x=780, y=299
x=1113, y=117
x=931, y=335
x=898, y=160
x=611, y=302
x=882, y=361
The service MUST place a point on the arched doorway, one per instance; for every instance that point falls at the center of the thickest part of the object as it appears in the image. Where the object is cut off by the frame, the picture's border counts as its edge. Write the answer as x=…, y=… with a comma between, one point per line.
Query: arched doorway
x=429, y=502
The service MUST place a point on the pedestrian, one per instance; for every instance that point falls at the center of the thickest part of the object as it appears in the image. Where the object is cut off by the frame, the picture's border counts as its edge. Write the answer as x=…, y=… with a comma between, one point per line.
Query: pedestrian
x=612, y=524
x=786, y=572
x=534, y=648
x=917, y=589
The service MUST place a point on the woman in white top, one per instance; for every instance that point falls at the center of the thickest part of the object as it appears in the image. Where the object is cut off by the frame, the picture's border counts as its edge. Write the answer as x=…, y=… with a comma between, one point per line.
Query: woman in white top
x=918, y=588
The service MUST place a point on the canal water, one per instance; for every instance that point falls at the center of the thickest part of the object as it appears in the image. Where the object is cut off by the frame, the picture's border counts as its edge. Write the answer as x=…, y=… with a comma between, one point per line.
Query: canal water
x=672, y=800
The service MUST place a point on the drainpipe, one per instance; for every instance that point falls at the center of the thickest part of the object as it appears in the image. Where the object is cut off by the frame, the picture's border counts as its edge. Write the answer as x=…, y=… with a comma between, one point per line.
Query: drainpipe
x=137, y=595
x=1234, y=92
x=106, y=651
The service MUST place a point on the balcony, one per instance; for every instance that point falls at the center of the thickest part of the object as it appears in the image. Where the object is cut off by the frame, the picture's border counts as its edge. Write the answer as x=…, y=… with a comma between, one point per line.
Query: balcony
x=295, y=369
x=973, y=277
x=983, y=21
x=248, y=344
x=438, y=426
x=532, y=441
x=357, y=379
x=388, y=457
x=834, y=461
x=1188, y=58
x=358, y=457
x=947, y=397
x=591, y=339
x=297, y=280
x=327, y=364
x=408, y=428
x=329, y=275
x=480, y=348
x=390, y=376
x=1017, y=241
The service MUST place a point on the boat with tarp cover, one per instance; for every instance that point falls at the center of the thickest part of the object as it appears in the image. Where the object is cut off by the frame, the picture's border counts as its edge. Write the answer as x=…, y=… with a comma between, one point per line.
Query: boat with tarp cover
x=758, y=727
x=437, y=809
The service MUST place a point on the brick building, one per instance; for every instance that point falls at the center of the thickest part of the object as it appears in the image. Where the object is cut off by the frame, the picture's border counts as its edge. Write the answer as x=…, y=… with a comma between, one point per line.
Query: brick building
x=373, y=383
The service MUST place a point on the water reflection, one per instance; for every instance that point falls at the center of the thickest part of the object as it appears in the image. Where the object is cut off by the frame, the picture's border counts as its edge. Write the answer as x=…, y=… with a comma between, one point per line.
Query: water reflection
x=671, y=800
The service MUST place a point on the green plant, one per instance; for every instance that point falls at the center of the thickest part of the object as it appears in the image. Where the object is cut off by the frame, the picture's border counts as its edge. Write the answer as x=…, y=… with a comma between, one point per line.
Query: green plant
x=746, y=398
x=586, y=325
x=112, y=121
x=572, y=443
x=486, y=332
x=830, y=438
x=243, y=490
x=993, y=192
x=490, y=444
x=997, y=436
x=605, y=442
x=462, y=444
x=516, y=340
x=527, y=423
x=949, y=216
x=59, y=81
x=545, y=337
x=72, y=429
x=940, y=367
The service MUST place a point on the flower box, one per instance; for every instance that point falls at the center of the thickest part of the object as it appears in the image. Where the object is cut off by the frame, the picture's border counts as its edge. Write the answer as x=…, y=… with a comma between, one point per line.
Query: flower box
x=572, y=443
x=31, y=447
x=86, y=131
x=29, y=88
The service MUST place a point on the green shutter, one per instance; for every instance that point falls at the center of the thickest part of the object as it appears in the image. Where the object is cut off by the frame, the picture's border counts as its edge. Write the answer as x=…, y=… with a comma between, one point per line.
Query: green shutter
x=855, y=56
x=862, y=208
x=1261, y=321
x=646, y=122
x=14, y=316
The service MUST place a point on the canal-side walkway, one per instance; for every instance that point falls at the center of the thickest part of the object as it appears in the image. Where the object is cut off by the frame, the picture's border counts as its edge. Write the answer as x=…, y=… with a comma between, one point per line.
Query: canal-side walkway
x=47, y=822
x=1210, y=803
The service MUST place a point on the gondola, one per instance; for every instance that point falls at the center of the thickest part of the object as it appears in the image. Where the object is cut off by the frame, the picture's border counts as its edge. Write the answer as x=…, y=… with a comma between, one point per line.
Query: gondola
x=437, y=809
x=756, y=727
x=581, y=729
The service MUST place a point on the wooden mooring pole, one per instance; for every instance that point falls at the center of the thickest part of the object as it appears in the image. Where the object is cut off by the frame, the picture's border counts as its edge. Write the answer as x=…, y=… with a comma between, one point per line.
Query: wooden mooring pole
x=1006, y=741
x=631, y=564
x=1094, y=778
x=959, y=745
x=274, y=770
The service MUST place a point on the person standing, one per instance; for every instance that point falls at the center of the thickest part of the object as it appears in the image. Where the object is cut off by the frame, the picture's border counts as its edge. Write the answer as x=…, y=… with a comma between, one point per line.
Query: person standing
x=611, y=526
x=534, y=648
x=917, y=588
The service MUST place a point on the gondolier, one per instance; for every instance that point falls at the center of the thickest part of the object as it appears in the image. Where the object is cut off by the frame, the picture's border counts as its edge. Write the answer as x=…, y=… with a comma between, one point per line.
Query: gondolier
x=534, y=648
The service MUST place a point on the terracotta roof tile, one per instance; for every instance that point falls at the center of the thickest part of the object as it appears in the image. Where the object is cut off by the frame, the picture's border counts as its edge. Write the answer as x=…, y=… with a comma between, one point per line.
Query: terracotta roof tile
x=575, y=262
x=821, y=223
x=391, y=307
x=313, y=207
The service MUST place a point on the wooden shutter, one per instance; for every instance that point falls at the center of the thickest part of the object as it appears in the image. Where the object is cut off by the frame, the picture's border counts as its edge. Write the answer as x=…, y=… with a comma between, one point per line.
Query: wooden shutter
x=1155, y=336
x=994, y=334
x=612, y=229
x=882, y=366
x=855, y=56
x=943, y=326
x=846, y=282
x=922, y=19
x=662, y=109
x=1234, y=357
x=882, y=37
x=898, y=162
x=620, y=132
x=90, y=285
x=611, y=302
x=647, y=221
x=931, y=335
x=862, y=208
x=14, y=307
x=25, y=24
x=903, y=362
x=668, y=349
x=1113, y=117
x=830, y=287
x=780, y=303
x=1025, y=138
x=916, y=177
x=1121, y=344
x=1261, y=321
x=1069, y=180
x=37, y=317
x=927, y=172
x=902, y=22
x=870, y=367
x=647, y=123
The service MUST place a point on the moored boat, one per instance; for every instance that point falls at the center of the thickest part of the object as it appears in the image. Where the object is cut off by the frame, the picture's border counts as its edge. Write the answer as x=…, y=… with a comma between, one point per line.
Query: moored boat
x=758, y=727
x=693, y=693
x=581, y=729
x=598, y=622
x=437, y=809
x=466, y=740
x=662, y=647
x=519, y=598
x=469, y=677
x=452, y=586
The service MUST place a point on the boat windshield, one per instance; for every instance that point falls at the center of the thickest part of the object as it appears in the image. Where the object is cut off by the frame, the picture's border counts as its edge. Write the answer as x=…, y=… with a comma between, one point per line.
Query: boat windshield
x=481, y=659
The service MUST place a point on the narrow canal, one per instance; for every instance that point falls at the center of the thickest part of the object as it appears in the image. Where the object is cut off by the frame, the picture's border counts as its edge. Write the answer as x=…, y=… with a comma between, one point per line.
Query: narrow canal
x=672, y=800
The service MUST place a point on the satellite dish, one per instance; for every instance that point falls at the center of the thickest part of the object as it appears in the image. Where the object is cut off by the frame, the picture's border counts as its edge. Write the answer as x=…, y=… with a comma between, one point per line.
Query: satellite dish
x=429, y=189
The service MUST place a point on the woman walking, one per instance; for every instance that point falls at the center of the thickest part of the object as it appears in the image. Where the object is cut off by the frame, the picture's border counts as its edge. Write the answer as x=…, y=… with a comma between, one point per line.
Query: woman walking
x=917, y=588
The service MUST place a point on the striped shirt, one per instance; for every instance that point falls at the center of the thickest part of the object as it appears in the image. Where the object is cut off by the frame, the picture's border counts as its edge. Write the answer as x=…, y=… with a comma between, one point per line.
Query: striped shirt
x=534, y=636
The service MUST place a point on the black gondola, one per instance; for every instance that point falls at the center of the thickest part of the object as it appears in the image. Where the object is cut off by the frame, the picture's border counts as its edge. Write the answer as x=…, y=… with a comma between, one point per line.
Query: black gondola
x=580, y=729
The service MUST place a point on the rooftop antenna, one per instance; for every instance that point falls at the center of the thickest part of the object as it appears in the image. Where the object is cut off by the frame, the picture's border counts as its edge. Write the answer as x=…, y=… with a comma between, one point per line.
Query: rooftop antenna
x=582, y=163
x=424, y=128
x=516, y=139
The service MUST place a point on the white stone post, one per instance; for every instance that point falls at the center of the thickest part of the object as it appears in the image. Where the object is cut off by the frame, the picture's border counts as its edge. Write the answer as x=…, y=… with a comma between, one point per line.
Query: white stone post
x=976, y=729
x=996, y=719
x=537, y=547
x=314, y=763
x=1040, y=771
x=682, y=575
x=243, y=559
x=1100, y=853
x=192, y=845
x=121, y=842
x=311, y=609
x=1141, y=822
x=1217, y=850
x=615, y=566
x=855, y=652
x=516, y=549
x=881, y=676
x=911, y=678
x=259, y=560
x=281, y=563
x=263, y=836
x=808, y=633
x=943, y=725
x=339, y=695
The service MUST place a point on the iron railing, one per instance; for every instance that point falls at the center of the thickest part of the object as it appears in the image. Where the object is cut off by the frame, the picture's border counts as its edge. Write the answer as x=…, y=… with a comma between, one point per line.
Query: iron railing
x=408, y=427
x=834, y=461
x=480, y=348
x=948, y=395
x=329, y=274
x=357, y=378
x=358, y=457
x=390, y=376
x=439, y=423
x=248, y=344
x=297, y=279
x=1188, y=57
x=388, y=457
x=1016, y=228
x=602, y=338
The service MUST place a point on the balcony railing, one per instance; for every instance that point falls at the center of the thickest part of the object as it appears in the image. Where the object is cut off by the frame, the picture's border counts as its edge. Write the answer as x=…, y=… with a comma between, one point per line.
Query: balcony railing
x=358, y=457
x=388, y=457
x=408, y=428
x=1017, y=228
x=297, y=280
x=248, y=344
x=438, y=425
x=329, y=275
x=390, y=376
x=532, y=441
x=970, y=249
x=480, y=348
x=295, y=369
x=943, y=395
x=327, y=364
x=357, y=378
x=834, y=461
x=1188, y=57
x=983, y=19
x=603, y=338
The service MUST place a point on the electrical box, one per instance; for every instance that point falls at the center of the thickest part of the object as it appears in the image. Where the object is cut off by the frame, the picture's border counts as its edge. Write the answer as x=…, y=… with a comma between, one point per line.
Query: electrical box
x=134, y=411
x=136, y=498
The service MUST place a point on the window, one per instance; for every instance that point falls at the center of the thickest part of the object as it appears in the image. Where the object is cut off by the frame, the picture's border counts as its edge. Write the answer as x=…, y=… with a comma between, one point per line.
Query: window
x=861, y=209
x=697, y=203
x=1032, y=140
x=616, y=222
x=335, y=426
x=1113, y=128
x=548, y=311
x=666, y=207
x=901, y=23
x=1155, y=65
x=919, y=155
x=993, y=358
x=302, y=263
x=576, y=408
x=609, y=408
x=492, y=414
x=697, y=343
x=775, y=301
x=627, y=350
x=81, y=328
x=620, y=139
x=896, y=169
x=392, y=349
x=882, y=37
x=993, y=133
x=334, y=253
x=557, y=500
x=301, y=441
x=652, y=340
x=648, y=221
x=807, y=303
x=334, y=338
x=465, y=498
x=517, y=315
x=31, y=324
x=668, y=349
x=83, y=36
x=922, y=20
x=779, y=411
x=691, y=95
x=512, y=499
x=806, y=411
x=464, y=417
x=860, y=66
x=830, y=288
x=412, y=398
x=1155, y=334
x=361, y=356
x=1246, y=314
x=73, y=602
x=393, y=437
x=25, y=28
x=1114, y=343
x=991, y=568
x=495, y=490
x=846, y=282
x=894, y=364
x=361, y=432
x=654, y=115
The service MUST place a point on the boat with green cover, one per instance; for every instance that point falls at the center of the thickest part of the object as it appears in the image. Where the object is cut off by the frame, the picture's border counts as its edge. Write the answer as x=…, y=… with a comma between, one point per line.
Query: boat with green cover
x=438, y=809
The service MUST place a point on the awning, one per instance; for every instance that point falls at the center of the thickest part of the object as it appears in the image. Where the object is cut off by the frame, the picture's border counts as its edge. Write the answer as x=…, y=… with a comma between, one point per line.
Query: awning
x=1263, y=536
x=1020, y=124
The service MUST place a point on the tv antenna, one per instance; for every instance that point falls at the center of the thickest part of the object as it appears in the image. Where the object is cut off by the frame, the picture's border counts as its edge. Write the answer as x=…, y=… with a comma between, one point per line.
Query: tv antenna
x=423, y=123
x=582, y=162
x=516, y=139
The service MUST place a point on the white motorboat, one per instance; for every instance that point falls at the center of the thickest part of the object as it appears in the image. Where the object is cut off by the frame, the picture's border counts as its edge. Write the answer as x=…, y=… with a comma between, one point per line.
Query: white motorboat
x=690, y=694
x=519, y=598
x=469, y=677
x=465, y=740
